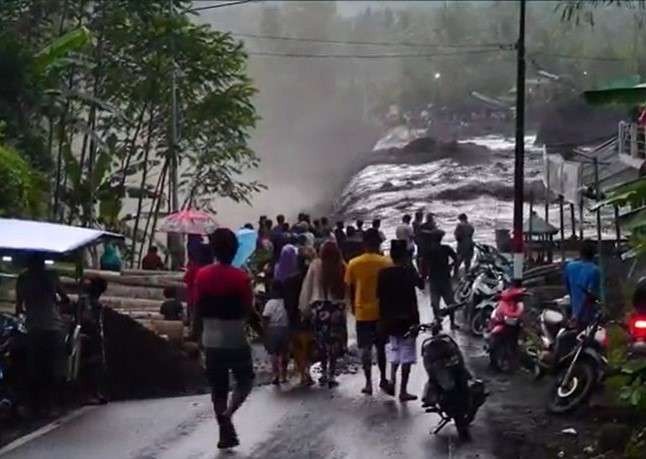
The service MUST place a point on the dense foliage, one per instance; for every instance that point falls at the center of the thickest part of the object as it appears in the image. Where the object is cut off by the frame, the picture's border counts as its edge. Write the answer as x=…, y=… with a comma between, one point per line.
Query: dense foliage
x=96, y=115
x=20, y=187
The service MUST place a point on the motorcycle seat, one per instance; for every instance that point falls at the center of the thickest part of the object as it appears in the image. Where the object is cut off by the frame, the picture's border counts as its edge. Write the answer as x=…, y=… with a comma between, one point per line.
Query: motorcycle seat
x=552, y=317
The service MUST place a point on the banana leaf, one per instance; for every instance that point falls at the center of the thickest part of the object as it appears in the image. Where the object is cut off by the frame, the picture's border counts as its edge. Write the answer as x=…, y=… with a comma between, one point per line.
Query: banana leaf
x=632, y=192
x=59, y=48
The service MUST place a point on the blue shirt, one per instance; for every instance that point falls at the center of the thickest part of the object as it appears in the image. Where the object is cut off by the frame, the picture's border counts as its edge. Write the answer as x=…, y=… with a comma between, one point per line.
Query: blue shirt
x=582, y=277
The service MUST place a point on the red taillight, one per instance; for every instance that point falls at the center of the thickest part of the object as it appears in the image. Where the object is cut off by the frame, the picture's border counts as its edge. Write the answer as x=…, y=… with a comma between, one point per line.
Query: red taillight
x=637, y=325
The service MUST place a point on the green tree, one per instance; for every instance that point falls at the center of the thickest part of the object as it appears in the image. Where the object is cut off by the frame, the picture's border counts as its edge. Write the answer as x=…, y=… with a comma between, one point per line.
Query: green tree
x=21, y=188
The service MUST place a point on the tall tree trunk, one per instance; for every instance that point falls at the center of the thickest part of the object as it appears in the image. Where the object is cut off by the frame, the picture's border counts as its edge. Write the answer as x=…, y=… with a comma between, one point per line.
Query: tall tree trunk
x=131, y=147
x=50, y=143
x=93, y=114
x=154, y=204
x=151, y=123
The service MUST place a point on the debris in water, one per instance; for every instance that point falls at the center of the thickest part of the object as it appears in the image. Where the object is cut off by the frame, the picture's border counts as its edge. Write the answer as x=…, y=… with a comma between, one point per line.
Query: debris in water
x=569, y=431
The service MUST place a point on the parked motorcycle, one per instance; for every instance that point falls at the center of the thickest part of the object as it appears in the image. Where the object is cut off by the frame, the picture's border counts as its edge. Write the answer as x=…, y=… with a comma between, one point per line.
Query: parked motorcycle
x=574, y=357
x=484, y=299
x=504, y=329
x=451, y=391
x=12, y=362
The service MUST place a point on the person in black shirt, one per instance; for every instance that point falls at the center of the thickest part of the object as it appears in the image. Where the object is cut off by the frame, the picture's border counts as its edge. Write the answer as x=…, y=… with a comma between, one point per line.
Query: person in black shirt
x=398, y=312
x=353, y=244
x=339, y=233
x=171, y=308
x=438, y=259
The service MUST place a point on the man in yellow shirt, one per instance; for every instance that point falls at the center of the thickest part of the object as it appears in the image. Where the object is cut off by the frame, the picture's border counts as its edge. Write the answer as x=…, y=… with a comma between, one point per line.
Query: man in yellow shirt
x=361, y=279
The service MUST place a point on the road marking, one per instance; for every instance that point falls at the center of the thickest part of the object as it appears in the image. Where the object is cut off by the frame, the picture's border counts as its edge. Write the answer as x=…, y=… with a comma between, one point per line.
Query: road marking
x=17, y=443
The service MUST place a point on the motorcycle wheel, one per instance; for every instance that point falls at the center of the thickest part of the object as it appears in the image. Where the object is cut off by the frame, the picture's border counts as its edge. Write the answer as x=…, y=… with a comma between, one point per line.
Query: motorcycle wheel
x=479, y=321
x=565, y=399
x=462, y=426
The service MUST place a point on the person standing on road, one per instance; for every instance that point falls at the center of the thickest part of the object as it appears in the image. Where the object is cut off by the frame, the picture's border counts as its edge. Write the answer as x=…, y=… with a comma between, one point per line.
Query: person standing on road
x=276, y=326
x=361, y=281
x=360, y=229
x=301, y=336
x=36, y=295
x=417, y=223
x=438, y=259
x=424, y=236
x=376, y=225
x=405, y=232
x=323, y=300
x=287, y=264
x=353, y=245
x=464, y=237
x=398, y=312
x=224, y=306
x=582, y=281
x=339, y=234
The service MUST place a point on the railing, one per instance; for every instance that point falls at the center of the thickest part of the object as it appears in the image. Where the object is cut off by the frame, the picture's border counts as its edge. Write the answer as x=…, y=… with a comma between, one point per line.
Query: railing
x=632, y=141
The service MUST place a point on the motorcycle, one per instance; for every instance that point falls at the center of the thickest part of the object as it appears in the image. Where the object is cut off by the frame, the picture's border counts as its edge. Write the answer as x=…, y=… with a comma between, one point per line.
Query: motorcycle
x=487, y=261
x=12, y=362
x=451, y=391
x=483, y=302
x=576, y=359
x=504, y=331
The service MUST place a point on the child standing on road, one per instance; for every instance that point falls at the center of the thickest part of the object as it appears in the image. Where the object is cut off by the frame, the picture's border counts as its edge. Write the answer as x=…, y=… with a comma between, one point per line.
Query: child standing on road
x=276, y=327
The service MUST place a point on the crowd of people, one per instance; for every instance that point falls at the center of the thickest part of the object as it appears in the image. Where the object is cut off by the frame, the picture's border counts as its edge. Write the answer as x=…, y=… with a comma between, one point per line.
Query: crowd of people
x=315, y=274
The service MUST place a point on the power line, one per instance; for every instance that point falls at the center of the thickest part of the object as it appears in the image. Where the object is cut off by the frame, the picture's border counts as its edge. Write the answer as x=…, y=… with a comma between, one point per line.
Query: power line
x=371, y=43
x=372, y=56
x=582, y=58
x=220, y=5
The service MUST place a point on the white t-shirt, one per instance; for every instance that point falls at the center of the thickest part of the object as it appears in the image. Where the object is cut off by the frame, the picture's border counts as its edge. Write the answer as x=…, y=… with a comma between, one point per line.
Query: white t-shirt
x=276, y=313
x=405, y=233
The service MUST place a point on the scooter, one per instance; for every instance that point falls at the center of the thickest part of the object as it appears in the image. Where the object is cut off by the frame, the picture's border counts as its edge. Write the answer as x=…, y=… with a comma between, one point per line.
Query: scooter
x=505, y=327
x=483, y=301
x=451, y=391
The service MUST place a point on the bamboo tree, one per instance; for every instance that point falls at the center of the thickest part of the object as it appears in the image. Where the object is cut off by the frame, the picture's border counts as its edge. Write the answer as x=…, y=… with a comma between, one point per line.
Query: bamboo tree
x=154, y=209
x=144, y=176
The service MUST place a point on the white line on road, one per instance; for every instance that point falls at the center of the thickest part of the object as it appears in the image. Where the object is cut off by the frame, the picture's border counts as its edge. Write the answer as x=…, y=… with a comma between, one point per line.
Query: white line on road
x=44, y=430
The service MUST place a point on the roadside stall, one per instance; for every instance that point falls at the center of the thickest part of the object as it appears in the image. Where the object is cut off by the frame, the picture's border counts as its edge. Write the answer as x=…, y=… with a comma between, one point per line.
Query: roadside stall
x=62, y=247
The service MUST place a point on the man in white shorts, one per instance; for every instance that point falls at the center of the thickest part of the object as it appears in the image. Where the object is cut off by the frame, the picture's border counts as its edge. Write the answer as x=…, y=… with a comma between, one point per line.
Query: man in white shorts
x=398, y=312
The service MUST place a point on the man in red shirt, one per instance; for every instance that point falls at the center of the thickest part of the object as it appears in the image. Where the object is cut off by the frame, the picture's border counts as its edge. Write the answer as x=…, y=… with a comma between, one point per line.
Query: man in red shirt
x=224, y=304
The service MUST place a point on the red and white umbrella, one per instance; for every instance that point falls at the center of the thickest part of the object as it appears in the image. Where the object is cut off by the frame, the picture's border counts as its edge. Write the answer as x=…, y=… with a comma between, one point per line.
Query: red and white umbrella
x=189, y=221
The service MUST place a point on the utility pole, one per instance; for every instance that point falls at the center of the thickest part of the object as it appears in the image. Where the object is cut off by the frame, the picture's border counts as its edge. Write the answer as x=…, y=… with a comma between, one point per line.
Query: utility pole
x=174, y=241
x=173, y=127
x=519, y=157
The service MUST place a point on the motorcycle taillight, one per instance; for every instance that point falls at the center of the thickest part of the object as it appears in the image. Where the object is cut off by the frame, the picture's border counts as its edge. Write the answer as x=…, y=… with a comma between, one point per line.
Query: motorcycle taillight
x=637, y=326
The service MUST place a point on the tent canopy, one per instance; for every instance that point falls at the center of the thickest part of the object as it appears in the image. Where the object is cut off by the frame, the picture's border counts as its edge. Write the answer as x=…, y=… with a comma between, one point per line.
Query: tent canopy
x=539, y=226
x=49, y=238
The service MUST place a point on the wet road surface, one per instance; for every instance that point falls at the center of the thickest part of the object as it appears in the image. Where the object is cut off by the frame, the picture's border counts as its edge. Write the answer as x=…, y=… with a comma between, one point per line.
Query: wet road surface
x=297, y=423
x=289, y=422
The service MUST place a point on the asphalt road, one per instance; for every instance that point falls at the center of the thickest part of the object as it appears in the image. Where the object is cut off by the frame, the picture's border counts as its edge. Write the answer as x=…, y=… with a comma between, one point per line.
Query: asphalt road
x=285, y=423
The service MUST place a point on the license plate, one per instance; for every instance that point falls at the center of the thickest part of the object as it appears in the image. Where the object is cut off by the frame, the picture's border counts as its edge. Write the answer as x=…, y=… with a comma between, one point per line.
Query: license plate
x=511, y=321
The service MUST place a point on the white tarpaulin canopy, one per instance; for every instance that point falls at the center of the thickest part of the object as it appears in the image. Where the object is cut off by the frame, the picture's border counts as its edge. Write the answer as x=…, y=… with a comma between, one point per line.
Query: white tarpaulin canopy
x=27, y=235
